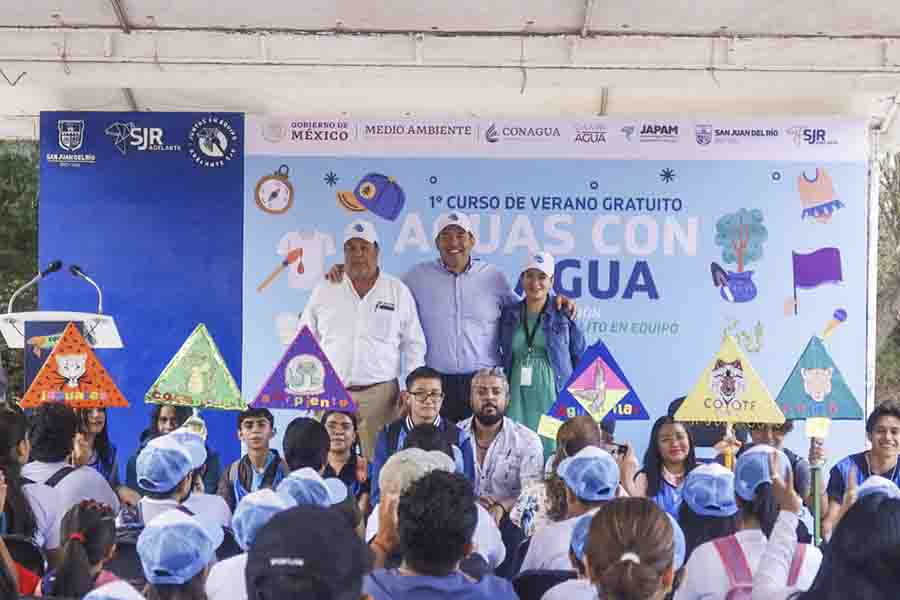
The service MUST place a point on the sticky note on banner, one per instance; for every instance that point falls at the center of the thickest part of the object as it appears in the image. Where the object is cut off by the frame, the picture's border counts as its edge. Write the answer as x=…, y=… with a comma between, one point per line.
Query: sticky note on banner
x=549, y=426
x=304, y=379
x=817, y=427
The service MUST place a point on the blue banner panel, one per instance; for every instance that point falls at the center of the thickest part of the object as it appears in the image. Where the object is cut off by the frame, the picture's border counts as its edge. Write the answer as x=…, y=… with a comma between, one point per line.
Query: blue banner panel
x=149, y=205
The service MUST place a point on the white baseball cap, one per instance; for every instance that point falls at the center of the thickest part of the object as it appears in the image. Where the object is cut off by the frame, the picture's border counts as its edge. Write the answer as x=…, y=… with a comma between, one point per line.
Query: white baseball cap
x=459, y=219
x=542, y=261
x=361, y=229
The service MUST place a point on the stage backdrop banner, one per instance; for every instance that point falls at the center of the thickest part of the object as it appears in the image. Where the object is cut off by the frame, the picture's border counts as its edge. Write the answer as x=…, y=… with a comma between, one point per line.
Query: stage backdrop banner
x=668, y=233
x=150, y=206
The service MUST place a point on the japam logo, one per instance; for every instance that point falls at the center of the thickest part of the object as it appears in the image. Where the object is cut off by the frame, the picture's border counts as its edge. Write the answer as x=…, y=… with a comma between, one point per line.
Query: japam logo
x=656, y=132
x=704, y=134
x=142, y=138
x=212, y=142
x=590, y=134
x=70, y=138
x=519, y=133
x=810, y=136
x=628, y=132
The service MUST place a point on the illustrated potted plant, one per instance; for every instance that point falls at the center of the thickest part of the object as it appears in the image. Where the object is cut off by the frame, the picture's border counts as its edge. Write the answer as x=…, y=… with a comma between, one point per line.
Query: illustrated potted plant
x=740, y=235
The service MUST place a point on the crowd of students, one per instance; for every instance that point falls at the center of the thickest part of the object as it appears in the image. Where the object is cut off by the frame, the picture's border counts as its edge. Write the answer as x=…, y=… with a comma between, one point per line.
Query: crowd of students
x=591, y=523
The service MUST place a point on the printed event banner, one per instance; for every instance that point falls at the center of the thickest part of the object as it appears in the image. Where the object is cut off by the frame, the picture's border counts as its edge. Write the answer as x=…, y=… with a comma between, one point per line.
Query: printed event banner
x=668, y=233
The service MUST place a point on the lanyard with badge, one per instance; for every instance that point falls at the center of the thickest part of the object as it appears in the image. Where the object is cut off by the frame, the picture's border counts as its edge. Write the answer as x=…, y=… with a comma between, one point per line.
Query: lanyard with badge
x=526, y=370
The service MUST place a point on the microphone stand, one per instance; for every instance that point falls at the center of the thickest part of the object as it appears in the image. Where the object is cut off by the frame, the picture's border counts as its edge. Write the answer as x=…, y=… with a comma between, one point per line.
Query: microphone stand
x=53, y=267
x=77, y=272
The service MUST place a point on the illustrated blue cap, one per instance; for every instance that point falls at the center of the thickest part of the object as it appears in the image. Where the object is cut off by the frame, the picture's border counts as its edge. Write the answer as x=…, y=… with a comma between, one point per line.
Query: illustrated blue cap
x=306, y=487
x=709, y=491
x=164, y=463
x=679, y=541
x=592, y=474
x=377, y=193
x=752, y=469
x=876, y=484
x=253, y=511
x=175, y=546
x=114, y=590
x=580, y=535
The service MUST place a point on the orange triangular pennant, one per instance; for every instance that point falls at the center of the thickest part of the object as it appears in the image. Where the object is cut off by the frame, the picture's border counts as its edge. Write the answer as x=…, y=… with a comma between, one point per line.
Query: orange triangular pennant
x=74, y=375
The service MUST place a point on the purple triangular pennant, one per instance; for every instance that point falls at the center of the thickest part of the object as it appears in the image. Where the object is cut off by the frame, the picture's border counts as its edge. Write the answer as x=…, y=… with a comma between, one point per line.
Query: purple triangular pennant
x=304, y=380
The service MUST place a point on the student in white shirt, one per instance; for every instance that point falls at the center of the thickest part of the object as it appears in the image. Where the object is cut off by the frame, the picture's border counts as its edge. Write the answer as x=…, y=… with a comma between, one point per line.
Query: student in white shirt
x=366, y=324
x=728, y=563
x=863, y=560
x=52, y=437
x=226, y=579
x=30, y=509
x=165, y=474
x=592, y=479
x=708, y=508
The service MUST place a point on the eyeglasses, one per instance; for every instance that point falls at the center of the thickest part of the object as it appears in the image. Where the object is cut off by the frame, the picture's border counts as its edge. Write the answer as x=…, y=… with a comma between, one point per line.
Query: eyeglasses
x=433, y=397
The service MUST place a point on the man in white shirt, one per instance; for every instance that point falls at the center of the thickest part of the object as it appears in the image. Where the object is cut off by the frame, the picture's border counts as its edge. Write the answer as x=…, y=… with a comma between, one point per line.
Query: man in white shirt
x=365, y=324
x=52, y=435
x=165, y=473
x=508, y=455
x=591, y=478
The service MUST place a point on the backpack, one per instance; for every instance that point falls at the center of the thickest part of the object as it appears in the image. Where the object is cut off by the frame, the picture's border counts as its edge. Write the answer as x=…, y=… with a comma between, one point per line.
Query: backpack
x=740, y=578
x=59, y=476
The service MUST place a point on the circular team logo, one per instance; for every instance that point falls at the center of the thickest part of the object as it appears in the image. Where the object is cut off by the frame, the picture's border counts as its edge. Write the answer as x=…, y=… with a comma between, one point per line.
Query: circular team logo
x=212, y=142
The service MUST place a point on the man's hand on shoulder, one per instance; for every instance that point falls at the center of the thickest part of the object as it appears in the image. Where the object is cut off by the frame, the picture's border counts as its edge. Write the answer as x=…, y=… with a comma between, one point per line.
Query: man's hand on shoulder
x=566, y=305
x=335, y=274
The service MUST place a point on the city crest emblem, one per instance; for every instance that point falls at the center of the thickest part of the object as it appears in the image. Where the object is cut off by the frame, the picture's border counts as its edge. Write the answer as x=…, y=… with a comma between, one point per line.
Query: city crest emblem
x=704, y=134
x=71, y=134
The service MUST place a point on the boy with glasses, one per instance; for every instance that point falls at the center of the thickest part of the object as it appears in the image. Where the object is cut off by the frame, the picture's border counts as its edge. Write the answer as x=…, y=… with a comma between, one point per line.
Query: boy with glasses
x=424, y=396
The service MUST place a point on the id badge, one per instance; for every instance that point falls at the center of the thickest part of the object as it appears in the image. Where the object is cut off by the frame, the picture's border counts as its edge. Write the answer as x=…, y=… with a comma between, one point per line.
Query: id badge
x=525, y=379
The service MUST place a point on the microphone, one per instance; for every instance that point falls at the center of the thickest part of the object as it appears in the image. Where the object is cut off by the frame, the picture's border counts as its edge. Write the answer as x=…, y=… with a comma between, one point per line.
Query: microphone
x=53, y=267
x=76, y=271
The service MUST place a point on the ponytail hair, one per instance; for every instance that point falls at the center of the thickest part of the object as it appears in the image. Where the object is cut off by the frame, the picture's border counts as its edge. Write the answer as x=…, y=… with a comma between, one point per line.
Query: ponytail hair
x=89, y=533
x=763, y=507
x=20, y=519
x=630, y=549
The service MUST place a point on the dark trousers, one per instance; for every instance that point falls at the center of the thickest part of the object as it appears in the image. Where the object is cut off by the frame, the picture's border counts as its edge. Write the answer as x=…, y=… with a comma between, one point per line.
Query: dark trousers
x=456, y=396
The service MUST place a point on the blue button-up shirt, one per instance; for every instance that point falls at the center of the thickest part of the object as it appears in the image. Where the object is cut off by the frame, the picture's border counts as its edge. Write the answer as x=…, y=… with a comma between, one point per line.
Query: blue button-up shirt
x=460, y=313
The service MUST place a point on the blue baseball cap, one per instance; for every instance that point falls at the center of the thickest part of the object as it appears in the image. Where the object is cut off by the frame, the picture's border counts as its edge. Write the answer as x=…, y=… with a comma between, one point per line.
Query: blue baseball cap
x=876, y=484
x=165, y=462
x=253, y=511
x=175, y=546
x=114, y=590
x=377, y=193
x=679, y=542
x=709, y=491
x=194, y=444
x=305, y=486
x=580, y=535
x=592, y=474
x=752, y=469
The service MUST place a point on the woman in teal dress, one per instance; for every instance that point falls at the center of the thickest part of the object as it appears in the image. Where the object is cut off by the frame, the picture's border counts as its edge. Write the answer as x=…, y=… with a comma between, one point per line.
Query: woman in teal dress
x=539, y=345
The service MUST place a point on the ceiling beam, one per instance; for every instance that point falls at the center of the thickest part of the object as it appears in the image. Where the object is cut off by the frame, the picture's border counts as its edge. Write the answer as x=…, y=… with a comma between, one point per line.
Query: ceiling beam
x=121, y=16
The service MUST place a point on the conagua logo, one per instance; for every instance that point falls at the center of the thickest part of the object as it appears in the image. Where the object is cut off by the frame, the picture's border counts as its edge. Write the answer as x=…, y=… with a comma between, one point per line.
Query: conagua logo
x=512, y=132
x=491, y=134
x=212, y=142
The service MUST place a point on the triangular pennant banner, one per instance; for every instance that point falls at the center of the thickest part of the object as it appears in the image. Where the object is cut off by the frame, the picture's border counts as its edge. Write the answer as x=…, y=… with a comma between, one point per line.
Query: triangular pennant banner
x=305, y=380
x=599, y=386
x=730, y=391
x=197, y=376
x=74, y=375
x=817, y=389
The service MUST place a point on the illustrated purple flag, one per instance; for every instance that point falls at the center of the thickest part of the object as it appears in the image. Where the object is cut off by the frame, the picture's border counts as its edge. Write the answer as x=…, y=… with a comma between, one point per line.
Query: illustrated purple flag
x=304, y=380
x=813, y=269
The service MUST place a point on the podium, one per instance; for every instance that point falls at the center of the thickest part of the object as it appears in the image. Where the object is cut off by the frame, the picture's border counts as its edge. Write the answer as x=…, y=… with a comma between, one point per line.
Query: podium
x=99, y=330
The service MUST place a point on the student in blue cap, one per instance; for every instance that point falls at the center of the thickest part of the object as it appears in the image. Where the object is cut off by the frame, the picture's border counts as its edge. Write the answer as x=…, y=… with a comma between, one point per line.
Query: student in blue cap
x=863, y=558
x=725, y=564
x=176, y=550
x=305, y=486
x=592, y=479
x=708, y=506
x=226, y=579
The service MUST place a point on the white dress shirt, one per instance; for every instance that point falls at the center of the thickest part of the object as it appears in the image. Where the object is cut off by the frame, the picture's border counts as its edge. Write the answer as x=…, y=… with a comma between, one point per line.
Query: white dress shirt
x=549, y=547
x=706, y=578
x=365, y=338
x=211, y=507
x=226, y=579
x=84, y=483
x=573, y=589
x=770, y=580
x=513, y=460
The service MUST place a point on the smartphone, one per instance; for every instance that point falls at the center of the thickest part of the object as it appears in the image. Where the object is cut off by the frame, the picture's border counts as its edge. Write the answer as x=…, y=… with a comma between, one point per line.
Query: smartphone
x=616, y=449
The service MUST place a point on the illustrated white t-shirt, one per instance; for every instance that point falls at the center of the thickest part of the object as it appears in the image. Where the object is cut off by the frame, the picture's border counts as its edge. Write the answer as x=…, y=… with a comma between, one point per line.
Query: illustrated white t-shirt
x=316, y=246
x=226, y=579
